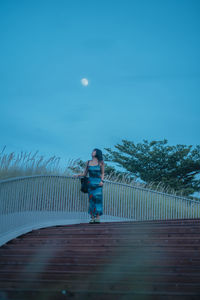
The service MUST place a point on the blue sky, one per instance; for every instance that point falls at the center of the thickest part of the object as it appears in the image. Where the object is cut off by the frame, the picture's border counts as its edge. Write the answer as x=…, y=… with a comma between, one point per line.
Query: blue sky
x=141, y=59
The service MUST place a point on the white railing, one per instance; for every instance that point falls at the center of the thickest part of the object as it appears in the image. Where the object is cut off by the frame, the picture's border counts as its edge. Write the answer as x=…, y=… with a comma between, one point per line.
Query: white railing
x=32, y=202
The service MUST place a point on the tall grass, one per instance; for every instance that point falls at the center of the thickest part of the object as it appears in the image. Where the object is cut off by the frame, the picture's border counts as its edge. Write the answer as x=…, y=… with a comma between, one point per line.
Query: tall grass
x=26, y=163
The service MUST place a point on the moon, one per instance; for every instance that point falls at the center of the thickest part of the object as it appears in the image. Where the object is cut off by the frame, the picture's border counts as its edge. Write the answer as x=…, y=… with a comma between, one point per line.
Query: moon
x=84, y=81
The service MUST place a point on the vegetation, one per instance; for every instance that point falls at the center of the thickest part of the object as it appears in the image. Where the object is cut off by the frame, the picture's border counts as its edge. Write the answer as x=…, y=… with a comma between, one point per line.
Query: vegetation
x=156, y=163
x=26, y=164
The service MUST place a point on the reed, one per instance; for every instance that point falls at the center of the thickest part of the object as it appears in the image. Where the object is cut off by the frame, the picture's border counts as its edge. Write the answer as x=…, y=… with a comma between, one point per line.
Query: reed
x=26, y=164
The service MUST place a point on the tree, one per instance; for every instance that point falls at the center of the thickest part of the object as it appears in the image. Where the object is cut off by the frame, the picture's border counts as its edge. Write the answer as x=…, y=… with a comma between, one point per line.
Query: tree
x=175, y=166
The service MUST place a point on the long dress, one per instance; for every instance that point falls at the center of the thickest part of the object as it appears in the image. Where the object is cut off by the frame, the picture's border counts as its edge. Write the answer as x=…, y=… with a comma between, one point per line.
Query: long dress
x=95, y=191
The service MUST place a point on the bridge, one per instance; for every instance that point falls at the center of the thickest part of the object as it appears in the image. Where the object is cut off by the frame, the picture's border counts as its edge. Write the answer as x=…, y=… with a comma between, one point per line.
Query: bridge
x=146, y=247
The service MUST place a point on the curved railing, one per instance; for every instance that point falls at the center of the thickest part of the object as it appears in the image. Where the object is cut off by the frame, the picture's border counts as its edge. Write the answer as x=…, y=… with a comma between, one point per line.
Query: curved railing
x=32, y=202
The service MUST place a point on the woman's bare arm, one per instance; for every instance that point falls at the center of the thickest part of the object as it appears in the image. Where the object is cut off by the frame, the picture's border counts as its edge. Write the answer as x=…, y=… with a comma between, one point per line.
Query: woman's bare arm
x=102, y=171
x=84, y=173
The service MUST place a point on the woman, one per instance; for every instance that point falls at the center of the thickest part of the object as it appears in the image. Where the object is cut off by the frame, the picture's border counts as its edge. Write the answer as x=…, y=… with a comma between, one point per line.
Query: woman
x=95, y=167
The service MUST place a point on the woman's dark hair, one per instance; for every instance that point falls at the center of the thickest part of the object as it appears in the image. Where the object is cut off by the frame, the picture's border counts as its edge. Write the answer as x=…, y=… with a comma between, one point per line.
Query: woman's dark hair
x=99, y=154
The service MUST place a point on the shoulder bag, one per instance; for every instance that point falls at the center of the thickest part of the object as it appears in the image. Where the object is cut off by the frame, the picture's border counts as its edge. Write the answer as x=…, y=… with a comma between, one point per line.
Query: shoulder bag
x=84, y=183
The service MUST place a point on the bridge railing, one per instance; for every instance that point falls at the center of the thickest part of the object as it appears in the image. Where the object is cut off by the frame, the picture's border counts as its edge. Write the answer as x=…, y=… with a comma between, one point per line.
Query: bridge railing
x=32, y=202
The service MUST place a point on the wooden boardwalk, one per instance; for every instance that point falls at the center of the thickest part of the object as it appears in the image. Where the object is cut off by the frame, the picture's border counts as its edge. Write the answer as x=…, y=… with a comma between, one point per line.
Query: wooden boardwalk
x=116, y=260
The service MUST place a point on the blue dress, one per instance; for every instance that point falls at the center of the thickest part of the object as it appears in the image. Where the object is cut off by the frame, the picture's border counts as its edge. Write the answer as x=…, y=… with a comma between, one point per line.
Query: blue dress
x=95, y=191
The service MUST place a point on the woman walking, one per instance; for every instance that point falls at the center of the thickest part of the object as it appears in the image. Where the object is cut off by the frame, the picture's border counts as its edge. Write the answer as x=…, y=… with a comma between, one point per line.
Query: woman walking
x=95, y=167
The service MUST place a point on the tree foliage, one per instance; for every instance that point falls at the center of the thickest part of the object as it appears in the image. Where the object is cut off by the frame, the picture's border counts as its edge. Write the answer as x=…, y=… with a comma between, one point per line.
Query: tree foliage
x=177, y=166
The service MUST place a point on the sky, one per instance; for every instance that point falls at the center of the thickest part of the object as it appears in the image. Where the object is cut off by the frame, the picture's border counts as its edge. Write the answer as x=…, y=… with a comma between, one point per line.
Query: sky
x=141, y=59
